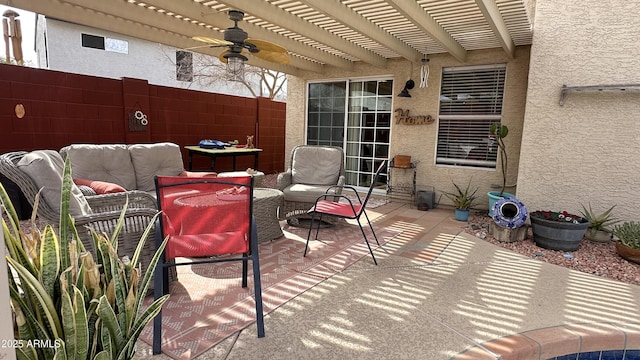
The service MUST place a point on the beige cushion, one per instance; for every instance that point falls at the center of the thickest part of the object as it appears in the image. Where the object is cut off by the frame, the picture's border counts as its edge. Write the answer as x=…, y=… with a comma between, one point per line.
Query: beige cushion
x=316, y=165
x=109, y=163
x=305, y=193
x=45, y=168
x=150, y=160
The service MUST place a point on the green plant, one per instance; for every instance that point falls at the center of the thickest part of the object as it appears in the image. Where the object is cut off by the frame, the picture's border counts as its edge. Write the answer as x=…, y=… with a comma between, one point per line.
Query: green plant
x=600, y=221
x=500, y=132
x=462, y=199
x=67, y=305
x=628, y=233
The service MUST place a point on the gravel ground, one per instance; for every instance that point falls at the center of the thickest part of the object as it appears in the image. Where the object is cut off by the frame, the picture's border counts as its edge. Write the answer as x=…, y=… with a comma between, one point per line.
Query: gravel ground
x=599, y=259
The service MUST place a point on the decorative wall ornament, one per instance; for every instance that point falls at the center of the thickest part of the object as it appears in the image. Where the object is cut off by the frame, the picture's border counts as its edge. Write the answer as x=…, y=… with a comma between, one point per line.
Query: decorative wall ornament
x=403, y=117
x=138, y=121
x=20, y=112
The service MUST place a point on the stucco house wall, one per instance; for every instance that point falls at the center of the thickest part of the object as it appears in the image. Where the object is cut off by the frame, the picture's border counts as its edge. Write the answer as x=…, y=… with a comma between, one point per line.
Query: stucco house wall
x=585, y=151
x=419, y=141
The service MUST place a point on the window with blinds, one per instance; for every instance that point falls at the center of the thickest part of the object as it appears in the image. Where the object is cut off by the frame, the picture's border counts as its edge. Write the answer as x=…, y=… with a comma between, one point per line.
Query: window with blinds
x=470, y=101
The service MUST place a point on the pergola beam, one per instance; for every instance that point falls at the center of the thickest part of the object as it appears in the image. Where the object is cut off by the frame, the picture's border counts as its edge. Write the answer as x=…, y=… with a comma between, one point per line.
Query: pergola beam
x=204, y=14
x=413, y=11
x=145, y=16
x=62, y=10
x=491, y=13
x=276, y=15
x=345, y=15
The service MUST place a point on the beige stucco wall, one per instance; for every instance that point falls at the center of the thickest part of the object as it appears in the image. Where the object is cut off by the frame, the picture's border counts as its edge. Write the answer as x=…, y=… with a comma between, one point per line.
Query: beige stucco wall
x=419, y=141
x=587, y=150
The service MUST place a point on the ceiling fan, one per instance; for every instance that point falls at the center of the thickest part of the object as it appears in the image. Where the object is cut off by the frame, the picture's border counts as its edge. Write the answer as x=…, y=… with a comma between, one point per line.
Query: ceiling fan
x=239, y=44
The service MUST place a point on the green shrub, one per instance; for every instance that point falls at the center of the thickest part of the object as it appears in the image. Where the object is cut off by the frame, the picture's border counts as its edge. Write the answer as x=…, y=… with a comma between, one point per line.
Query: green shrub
x=72, y=305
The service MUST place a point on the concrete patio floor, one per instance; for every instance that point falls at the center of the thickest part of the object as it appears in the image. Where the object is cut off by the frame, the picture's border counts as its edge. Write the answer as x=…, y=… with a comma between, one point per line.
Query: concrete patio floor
x=440, y=293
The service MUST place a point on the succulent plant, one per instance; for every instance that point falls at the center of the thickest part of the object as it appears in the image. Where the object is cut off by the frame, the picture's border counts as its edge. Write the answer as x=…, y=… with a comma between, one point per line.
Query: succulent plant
x=628, y=233
x=66, y=303
x=600, y=221
x=462, y=199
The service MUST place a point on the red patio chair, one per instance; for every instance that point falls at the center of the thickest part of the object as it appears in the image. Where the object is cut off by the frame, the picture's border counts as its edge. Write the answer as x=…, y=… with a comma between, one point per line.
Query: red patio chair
x=327, y=205
x=210, y=220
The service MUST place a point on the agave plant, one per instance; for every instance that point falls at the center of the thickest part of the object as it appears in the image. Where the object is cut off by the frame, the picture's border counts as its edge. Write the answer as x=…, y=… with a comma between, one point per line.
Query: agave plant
x=599, y=221
x=66, y=304
x=462, y=199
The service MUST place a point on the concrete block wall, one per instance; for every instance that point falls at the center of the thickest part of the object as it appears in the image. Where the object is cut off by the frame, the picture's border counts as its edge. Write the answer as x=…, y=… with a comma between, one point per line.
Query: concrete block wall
x=63, y=108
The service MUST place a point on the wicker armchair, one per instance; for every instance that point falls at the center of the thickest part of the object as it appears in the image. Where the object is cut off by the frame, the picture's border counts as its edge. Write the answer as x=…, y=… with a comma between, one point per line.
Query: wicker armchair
x=312, y=170
x=105, y=211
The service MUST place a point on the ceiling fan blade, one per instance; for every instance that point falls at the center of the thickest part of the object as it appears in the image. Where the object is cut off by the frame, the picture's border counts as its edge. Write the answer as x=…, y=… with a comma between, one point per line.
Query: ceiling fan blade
x=212, y=41
x=267, y=46
x=274, y=57
x=198, y=47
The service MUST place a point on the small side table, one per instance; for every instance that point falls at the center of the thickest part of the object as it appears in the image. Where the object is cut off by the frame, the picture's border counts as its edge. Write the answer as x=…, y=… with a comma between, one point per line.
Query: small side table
x=265, y=209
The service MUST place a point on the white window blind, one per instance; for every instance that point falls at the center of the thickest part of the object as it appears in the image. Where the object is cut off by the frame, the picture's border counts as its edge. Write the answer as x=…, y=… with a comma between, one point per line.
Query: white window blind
x=470, y=101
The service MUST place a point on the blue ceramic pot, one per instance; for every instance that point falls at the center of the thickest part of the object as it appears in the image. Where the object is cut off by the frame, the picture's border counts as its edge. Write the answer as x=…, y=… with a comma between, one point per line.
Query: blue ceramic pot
x=494, y=196
x=510, y=213
x=462, y=215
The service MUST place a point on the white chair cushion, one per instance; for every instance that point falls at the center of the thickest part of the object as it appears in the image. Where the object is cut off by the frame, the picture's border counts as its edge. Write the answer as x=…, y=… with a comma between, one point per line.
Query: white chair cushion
x=316, y=165
x=149, y=160
x=45, y=168
x=109, y=163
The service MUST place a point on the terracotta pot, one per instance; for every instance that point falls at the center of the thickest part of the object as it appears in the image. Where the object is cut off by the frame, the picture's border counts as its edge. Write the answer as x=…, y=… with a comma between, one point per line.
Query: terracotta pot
x=628, y=253
x=555, y=235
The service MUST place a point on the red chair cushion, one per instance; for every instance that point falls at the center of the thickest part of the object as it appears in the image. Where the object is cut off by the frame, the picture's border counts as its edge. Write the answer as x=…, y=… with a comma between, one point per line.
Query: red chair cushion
x=338, y=209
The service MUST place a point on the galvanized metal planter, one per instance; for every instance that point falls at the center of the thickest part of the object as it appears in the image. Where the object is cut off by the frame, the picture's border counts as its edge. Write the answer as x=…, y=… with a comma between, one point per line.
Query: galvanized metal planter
x=557, y=235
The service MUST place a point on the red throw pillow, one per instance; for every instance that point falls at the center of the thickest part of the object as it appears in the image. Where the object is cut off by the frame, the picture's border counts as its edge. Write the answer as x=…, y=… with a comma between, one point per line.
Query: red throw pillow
x=198, y=174
x=100, y=187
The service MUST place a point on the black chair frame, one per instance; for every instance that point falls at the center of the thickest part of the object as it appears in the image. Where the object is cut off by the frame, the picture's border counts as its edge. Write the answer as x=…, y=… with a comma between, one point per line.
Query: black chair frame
x=351, y=210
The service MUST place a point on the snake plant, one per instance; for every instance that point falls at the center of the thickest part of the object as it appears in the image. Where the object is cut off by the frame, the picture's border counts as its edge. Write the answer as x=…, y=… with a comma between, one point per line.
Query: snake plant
x=68, y=304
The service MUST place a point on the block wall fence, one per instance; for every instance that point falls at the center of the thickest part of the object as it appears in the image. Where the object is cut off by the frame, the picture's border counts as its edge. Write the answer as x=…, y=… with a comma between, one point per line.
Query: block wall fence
x=63, y=108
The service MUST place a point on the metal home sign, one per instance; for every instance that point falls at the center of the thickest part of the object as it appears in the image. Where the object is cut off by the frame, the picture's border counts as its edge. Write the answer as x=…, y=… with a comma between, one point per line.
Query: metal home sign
x=403, y=117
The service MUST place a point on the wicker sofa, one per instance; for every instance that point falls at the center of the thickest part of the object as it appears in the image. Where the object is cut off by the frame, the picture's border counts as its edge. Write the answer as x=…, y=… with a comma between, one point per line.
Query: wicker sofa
x=41, y=171
x=132, y=167
x=312, y=170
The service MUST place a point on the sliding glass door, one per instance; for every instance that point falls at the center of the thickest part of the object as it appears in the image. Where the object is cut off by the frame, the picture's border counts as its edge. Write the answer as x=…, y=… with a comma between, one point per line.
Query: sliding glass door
x=362, y=111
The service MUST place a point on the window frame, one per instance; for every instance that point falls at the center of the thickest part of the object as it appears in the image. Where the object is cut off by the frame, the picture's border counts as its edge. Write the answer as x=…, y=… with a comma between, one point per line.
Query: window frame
x=469, y=123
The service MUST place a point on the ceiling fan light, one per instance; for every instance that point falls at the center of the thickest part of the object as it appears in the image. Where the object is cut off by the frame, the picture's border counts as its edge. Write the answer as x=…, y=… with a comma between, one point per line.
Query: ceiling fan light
x=235, y=67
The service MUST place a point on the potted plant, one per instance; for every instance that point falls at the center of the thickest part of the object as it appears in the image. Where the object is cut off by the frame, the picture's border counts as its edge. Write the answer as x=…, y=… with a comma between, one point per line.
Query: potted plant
x=462, y=199
x=629, y=245
x=558, y=230
x=67, y=302
x=497, y=133
x=598, y=230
